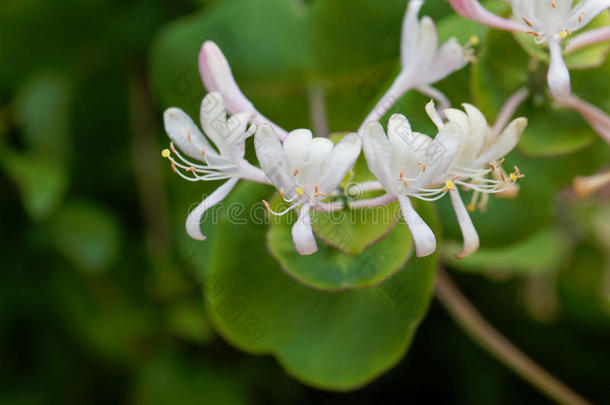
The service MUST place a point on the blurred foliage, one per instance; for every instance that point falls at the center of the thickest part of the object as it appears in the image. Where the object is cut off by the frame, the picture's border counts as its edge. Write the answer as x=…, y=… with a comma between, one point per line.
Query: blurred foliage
x=106, y=300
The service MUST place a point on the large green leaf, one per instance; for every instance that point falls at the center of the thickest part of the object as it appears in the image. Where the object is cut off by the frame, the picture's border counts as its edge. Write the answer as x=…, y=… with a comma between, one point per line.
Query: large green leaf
x=335, y=341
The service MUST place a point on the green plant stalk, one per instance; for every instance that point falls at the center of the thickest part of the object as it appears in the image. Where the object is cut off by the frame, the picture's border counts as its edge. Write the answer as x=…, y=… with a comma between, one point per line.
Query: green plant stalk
x=473, y=323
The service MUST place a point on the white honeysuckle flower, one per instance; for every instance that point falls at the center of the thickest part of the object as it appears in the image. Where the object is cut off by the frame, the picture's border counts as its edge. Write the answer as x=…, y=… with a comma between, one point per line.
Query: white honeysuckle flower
x=224, y=161
x=423, y=62
x=217, y=77
x=549, y=21
x=305, y=170
x=480, y=156
x=408, y=164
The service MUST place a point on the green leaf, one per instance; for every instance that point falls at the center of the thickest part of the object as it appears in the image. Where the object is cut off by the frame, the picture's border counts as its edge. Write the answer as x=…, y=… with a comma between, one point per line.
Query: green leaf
x=331, y=268
x=41, y=182
x=336, y=341
x=43, y=109
x=544, y=251
x=87, y=235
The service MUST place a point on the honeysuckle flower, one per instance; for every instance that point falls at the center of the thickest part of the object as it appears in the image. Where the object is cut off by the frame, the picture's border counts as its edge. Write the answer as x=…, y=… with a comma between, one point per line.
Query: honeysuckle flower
x=305, y=170
x=549, y=21
x=217, y=77
x=480, y=156
x=407, y=164
x=225, y=161
x=465, y=153
x=423, y=62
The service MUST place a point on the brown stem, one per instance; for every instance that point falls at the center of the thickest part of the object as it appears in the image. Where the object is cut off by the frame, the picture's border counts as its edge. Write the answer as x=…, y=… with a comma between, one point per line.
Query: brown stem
x=498, y=346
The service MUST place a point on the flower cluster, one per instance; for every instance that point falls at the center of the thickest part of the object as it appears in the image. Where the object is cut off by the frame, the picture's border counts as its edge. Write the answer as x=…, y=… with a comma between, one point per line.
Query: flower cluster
x=551, y=22
x=466, y=153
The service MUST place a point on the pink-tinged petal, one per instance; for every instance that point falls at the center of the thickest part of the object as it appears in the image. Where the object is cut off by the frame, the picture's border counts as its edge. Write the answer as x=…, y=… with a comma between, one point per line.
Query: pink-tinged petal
x=598, y=119
x=469, y=233
x=423, y=237
x=508, y=110
x=217, y=77
x=558, y=77
x=473, y=10
x=302, y=234
x=588, y=38
x=193, y=221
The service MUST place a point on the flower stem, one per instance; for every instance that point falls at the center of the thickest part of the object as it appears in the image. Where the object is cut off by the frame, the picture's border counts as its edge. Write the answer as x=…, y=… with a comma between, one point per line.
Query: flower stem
x=467, y=316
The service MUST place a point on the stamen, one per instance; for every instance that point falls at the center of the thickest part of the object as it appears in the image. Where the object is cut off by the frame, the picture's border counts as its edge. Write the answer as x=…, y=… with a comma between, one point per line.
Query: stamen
x=296, y=171
x=406, y=183
x=279, y=214
x=563, y=34
x=529, y=24
x=190, y=169
x=165, y=153
x=423, y=165
x=471, y=207
x=534, y=33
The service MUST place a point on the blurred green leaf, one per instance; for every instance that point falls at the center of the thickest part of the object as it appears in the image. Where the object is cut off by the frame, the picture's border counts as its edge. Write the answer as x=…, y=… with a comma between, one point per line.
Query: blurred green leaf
x=544, y=251
x=189, y=320
x=41, y=182
x=334, y=341
x=43, y=109
x=171, y=379
x=87, y=235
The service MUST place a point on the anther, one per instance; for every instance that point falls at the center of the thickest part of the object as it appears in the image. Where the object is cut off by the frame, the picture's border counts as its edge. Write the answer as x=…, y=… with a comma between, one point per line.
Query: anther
x=402, y=174
x=554, y=4
x=406, y=183
x=188, y=135
x=190, y=169
x=471, y=207
x=174, y=167
x=529, y=24
x=296, y=171
x=203, y=153
x=165, y=153
x=267, y=205
x=282, y=193
x=474, y=40
x=299, y=191
x=580, y=17
x=171, y=146
x=423, y=166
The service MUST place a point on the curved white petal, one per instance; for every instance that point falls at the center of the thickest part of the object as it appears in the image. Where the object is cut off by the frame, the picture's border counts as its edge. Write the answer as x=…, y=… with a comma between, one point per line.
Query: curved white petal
x=319, y=151
x=407, y=148
x=449, y=58
x=376, y=149
x=340, y=162
x=296, y=146
x=585, y=11
x=272, y=159
x=423, y=237
x=225, y=133
x=477, y=136
x=503, y=144
x=428, y=43
x=302, y=233
x=410, y=34
x=180, y=128
x=469, y=233
x=193, y=221
x=442, y=153
x=558, y=77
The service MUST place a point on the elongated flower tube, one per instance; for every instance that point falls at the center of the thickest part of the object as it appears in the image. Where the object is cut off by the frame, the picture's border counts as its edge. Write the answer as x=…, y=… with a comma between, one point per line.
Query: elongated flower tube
x=217, y=77
x=549, y=21
x=423, y=62
x=407, y=164
x=474, y=11
x=598, y=119
x=223, y=161
x=305, y=170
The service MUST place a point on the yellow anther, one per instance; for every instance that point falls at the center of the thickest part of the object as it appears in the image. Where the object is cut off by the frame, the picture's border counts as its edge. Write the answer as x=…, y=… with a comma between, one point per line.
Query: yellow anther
x=449, y=185
x=563, y=34
x=165, y=153
x=471, y=208
x=300, y=191
x=512, y=177
x=474, y=40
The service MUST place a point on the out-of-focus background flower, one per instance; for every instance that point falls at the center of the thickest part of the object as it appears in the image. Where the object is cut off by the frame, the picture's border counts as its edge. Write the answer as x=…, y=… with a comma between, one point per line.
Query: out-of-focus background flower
x=101, y=291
